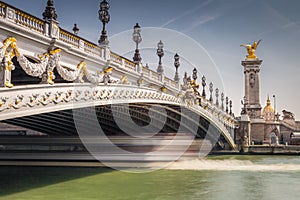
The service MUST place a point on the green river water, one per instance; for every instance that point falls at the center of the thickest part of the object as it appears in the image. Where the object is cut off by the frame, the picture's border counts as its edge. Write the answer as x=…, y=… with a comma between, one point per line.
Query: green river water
x=217, y=177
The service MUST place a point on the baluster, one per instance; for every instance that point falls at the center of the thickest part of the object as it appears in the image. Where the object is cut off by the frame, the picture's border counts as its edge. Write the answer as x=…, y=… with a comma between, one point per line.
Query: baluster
x=31, y=23
x=25, y=20
x=34, y=24
x=41, y=26
x=20, y=18
x=28, y=22
x=37, y=25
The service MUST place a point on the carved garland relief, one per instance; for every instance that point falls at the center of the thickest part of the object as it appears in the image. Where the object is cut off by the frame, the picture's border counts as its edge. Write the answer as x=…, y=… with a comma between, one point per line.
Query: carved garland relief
x=44, y=69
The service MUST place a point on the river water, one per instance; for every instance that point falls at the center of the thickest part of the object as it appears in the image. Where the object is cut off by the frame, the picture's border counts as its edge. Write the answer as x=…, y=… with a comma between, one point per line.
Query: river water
x=217, y=177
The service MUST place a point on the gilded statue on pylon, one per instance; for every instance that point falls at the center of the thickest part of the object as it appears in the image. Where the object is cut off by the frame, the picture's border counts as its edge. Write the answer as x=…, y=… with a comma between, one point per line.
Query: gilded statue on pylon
x=251, y=50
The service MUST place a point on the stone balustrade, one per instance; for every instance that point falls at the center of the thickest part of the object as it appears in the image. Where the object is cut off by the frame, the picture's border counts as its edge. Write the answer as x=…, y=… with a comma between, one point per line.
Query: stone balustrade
x=155, y=75
x=29, y=21
x=129, y=65
x=116, y=58
x=69, y=38
x=91, y=48
x=147, y=71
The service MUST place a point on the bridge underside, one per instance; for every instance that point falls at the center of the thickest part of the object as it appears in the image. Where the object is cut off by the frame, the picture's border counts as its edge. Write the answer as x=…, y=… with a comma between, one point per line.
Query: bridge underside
x=137, y=119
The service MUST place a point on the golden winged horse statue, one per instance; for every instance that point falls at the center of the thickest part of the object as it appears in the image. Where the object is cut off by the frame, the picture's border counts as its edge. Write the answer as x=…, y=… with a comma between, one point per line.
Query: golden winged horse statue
x=251, y=50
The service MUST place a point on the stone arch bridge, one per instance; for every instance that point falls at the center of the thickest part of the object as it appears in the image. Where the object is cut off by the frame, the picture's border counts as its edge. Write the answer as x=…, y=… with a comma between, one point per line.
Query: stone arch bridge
x=47, y=73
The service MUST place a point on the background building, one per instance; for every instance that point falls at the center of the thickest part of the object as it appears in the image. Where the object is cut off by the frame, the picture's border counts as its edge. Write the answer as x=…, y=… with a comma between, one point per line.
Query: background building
x=257, y=125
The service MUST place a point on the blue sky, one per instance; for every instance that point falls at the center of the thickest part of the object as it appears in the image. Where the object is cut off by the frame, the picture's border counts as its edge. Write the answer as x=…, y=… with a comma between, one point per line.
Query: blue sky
x=217, y=26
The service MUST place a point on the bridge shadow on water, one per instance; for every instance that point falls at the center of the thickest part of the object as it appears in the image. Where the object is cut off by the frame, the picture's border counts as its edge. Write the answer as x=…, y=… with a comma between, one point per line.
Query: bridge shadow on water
x=20, y=179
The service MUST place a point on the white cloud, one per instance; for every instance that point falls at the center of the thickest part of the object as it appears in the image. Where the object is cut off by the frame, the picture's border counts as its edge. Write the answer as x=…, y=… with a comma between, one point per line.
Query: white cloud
x=201, y=21
x=186, y=13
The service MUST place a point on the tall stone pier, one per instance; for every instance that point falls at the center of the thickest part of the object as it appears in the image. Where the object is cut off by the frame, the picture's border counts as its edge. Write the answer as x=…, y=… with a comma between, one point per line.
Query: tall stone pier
x=252, y=87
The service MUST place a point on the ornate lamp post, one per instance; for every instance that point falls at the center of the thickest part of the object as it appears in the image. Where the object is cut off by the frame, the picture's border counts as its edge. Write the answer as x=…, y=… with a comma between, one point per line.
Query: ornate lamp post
x=185, y=80
x=275, y=118
x=217, y=96
x=203, y=85
x=104, y=17
x=222, y=100
x=49, y=13
x=160, y=53
x=195, y=74
x=211, y=89
x=75, y=29
x=176, y=64
x=137, y=38
x=230, y=106
x=227, y=101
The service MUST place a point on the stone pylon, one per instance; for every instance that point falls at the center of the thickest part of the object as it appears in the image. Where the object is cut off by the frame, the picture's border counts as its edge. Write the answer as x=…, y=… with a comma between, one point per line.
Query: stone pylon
x=252, y=87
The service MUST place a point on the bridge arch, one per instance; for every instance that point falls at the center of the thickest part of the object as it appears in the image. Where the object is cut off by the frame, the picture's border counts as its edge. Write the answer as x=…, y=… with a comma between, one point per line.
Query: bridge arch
x=77, y=59
x=60, y=98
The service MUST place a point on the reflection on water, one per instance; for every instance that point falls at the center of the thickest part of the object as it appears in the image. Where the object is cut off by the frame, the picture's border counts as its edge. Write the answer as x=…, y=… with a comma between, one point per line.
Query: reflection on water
x=248, y=180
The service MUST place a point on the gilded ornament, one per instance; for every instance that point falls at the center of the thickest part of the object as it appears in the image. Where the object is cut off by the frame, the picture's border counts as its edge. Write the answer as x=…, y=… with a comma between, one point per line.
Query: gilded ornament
x=50, y=78
x=163, y=89
x=108, y=70
x=124, y=79
x=55, y=51
x=251, y=50
x=45, y=68
x=8, y=51
x=17, y=101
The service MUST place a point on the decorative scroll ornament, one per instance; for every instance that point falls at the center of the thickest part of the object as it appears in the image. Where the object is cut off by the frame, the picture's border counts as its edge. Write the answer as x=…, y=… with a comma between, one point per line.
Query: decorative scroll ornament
x=46, y=65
